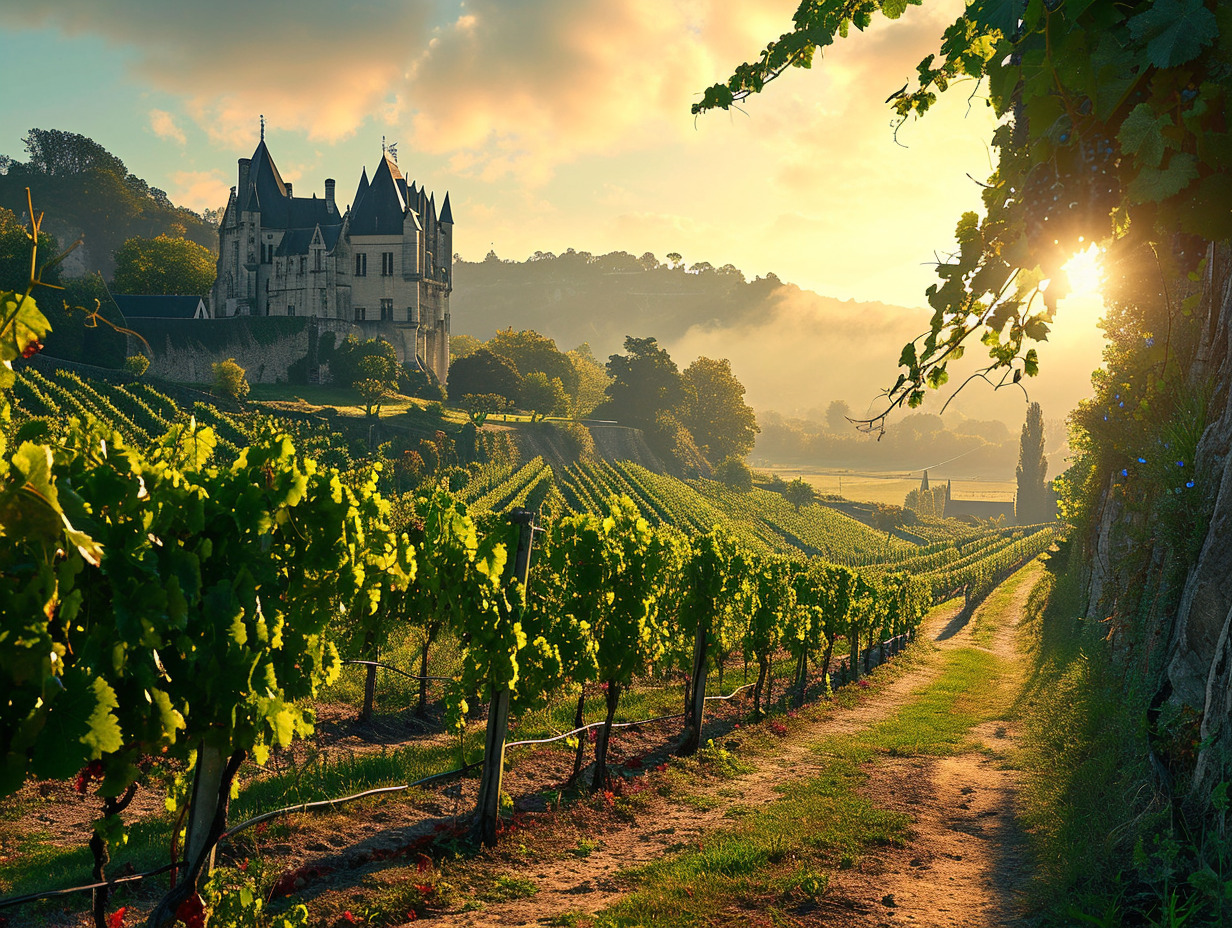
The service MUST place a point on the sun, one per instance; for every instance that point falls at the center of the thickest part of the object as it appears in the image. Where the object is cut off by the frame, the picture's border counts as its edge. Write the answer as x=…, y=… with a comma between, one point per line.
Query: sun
x=1086, y=273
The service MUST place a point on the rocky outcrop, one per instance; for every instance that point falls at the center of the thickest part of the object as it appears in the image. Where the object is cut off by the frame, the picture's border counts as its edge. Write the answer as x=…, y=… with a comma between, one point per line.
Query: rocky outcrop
x=1200, y=666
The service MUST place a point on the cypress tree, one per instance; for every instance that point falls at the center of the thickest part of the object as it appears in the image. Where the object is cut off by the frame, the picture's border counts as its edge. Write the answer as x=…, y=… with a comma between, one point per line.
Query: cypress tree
x=1032, y=503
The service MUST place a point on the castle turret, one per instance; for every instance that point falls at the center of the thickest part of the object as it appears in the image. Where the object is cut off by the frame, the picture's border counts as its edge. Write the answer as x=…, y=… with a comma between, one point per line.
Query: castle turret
x=245, y=164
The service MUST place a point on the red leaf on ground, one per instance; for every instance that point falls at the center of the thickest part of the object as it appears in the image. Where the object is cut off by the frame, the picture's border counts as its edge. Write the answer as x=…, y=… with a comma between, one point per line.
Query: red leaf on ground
x=116, y=919
x=192, y=912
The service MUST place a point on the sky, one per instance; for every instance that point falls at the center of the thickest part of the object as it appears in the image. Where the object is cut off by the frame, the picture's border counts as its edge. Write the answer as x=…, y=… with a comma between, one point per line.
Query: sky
x=552, y=123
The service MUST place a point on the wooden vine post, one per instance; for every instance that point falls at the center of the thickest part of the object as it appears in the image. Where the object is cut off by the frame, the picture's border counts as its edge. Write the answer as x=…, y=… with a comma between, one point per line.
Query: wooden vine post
x=697, y=705
x=203, y=805
x=487, y=813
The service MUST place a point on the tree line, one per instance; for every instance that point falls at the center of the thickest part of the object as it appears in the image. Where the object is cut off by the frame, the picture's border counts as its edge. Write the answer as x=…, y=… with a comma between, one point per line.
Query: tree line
x=693, y=417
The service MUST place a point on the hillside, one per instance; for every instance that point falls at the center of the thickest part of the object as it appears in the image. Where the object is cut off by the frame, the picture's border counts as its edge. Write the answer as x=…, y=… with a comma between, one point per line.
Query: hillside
x=86, y=192
x=599, y=299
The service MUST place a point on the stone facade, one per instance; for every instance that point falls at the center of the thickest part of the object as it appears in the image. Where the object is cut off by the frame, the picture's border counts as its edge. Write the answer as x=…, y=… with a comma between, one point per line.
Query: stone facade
x=385, y=265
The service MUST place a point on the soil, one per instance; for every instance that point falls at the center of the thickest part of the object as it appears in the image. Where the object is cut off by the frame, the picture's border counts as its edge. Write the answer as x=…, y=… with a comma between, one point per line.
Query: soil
x=966, y=865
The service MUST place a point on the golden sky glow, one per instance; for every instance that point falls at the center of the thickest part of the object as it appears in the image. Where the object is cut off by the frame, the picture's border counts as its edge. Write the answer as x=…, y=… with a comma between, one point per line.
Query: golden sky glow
x=554, y=124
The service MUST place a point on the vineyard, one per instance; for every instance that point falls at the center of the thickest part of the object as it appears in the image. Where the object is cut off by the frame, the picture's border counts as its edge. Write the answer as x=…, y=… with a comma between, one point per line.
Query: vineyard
x=215, y=585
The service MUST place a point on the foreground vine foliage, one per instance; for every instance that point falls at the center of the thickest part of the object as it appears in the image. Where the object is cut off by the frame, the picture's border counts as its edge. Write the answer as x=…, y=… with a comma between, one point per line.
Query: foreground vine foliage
x=1112, y=132
x=170, y=615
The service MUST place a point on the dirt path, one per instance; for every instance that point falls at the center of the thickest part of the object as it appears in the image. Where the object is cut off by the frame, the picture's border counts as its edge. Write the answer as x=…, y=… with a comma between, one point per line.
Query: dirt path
x=966, y=865
x=960, y=869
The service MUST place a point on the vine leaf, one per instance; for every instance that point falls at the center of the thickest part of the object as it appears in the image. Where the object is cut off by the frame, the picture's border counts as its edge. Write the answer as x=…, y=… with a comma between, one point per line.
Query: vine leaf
x=1175, y=31
x=1142, y=135
x=1155, y=184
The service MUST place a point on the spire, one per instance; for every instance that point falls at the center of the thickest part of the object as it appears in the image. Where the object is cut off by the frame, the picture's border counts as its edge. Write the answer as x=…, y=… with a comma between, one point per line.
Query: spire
x=266, y=188
x=262, y=127
x=362, y=189
x=383, y=206
x=924, y=483
x=446, y=212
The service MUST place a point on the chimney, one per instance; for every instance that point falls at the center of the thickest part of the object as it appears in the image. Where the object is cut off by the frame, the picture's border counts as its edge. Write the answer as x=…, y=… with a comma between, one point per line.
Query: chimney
x=244, y=164
x=289, y=189
x=329, y=195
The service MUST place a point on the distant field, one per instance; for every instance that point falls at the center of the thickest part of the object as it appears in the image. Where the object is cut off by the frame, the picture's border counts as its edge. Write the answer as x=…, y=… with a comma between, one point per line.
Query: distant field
x=890, y=486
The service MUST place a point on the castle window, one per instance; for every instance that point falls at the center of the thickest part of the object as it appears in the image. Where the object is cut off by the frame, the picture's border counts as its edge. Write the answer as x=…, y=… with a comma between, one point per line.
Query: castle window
x=290, y=310
x=387, y=310
x=359, y=314
x=387, y=264
x=303, y=264
x=316, y=259
x=410, y=314
x=361, y=265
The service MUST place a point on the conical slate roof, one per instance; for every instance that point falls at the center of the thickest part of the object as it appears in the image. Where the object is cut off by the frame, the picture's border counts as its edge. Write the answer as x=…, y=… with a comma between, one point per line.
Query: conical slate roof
x=362, y=189
x=381, y=210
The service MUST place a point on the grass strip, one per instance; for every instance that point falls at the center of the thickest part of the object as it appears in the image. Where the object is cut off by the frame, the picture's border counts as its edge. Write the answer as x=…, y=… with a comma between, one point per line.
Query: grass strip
x=777, y=862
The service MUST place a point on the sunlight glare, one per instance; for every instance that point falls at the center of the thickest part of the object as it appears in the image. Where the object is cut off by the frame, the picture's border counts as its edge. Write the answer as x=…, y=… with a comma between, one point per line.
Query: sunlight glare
x=1086, y=273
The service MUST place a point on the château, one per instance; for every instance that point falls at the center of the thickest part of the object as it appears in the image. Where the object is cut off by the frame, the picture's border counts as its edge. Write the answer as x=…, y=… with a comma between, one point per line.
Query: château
x=385, y=265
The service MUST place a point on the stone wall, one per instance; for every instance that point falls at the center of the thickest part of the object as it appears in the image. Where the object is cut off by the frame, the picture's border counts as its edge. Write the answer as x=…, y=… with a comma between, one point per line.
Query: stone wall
x=185, y=350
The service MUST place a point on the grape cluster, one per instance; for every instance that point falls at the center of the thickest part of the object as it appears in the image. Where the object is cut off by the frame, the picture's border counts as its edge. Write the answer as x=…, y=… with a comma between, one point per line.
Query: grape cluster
x=1071, y=195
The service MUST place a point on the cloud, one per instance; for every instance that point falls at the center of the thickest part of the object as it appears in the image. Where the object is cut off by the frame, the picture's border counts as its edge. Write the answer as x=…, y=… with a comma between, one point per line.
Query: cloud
x=504, y=89
x=318, y=67
x=199, y=190
x=163, y=124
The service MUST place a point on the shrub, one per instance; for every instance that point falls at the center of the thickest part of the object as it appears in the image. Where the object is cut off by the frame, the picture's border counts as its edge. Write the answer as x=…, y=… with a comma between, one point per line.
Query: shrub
x=575, y=440
x=230, y=379
x=137, y=364
x=734, y=473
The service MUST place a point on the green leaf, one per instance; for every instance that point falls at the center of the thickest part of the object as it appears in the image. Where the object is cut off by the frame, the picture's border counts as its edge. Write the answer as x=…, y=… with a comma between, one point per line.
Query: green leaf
x=1175, y=31
x=1155, y=184
x=996, y=14
x=1142, y=135
x=893, y=9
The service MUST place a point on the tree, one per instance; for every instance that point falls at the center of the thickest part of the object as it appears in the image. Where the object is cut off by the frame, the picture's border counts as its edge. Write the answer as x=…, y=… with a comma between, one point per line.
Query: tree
x=481, y=405
x=230, y=379
x=164, y=265
x=645, y=383
x=734, y=473
x=838, y=416
x=419, y=382
x=592, y=381
x=531, y=352
x=346, y=361
x=376, y=382
x=714, y=410
x=57, y=153
x=799, y=493
x=674, y=258
x=15, y=256
x=485, y=372
x=543, y=397
x=460, y=346
x=1032, y=503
